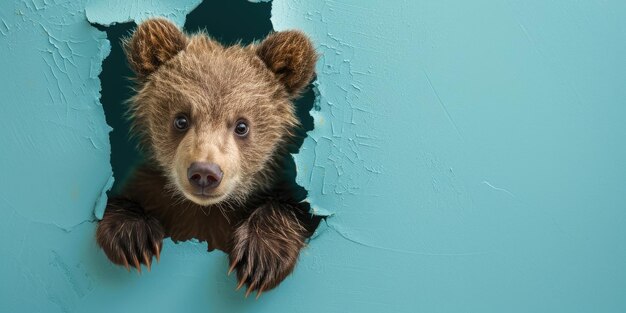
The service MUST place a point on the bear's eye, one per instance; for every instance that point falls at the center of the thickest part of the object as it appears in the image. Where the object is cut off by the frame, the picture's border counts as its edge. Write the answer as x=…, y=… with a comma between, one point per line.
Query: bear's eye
x=241, y=128
x=181, y=122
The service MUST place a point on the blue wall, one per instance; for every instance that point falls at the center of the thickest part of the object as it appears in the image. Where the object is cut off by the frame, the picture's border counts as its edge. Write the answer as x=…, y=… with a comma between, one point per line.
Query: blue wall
x=470, y=154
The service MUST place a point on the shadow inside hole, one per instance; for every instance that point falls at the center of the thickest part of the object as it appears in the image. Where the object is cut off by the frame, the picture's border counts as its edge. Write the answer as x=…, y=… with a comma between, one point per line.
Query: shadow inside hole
x=116, y=90
x=229, y=22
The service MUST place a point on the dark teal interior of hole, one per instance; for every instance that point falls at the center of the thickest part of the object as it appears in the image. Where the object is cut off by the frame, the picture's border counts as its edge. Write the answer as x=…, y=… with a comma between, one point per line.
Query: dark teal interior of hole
x=116, y=89
x=228, y=21
x=231, y=21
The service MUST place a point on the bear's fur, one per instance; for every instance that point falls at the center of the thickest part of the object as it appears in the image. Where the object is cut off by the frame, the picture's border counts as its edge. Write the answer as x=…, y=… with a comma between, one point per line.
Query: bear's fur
x=214, y=87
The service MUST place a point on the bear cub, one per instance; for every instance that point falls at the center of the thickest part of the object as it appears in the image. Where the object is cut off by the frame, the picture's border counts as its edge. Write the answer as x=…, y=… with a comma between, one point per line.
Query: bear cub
x=215, y=123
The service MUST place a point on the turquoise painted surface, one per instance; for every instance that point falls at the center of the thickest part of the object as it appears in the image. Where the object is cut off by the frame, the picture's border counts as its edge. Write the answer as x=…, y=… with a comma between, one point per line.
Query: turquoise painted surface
x=472, y=156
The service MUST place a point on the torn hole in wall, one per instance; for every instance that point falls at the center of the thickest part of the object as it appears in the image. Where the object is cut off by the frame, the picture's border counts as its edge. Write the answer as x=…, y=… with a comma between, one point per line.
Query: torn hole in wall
x=223, y=21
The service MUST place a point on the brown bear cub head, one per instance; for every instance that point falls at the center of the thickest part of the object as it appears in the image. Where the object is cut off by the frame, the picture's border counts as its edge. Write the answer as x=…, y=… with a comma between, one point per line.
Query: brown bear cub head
x=215, y=118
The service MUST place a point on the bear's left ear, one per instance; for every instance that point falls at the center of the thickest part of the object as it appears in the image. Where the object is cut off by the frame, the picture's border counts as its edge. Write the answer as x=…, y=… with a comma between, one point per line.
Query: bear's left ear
x=153, y=43
x=291, y=56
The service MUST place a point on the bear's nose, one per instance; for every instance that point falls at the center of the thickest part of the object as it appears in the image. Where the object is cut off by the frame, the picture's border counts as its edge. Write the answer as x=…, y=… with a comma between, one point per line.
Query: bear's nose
x=204, y=174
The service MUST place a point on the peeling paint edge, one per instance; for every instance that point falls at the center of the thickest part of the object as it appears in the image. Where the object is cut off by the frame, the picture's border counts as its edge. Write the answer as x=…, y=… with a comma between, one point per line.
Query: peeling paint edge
x=318, y=122
x=101, y=202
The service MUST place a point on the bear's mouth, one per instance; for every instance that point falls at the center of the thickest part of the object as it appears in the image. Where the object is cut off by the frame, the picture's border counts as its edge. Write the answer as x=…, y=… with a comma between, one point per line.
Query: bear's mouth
x=203, y=195
x=203, y=198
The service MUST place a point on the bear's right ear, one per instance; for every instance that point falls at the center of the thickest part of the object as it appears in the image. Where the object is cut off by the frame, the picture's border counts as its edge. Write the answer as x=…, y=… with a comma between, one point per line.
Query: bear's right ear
x=153, y=43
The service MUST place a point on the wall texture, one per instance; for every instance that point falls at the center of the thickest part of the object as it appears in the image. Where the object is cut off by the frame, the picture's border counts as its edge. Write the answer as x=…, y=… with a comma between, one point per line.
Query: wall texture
x=470, y=155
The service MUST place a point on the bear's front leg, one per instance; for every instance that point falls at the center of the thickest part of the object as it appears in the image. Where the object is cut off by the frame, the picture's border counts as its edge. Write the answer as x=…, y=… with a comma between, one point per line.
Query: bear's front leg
x=128, y=235
x=266, y=246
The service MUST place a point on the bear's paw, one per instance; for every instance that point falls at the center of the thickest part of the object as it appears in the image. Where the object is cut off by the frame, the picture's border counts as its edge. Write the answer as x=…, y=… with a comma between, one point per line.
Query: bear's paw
x=266, y=246
x=128, y=236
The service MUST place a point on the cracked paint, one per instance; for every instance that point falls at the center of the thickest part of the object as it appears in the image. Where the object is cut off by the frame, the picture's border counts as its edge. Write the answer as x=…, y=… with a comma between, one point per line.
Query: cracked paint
x=498, y=188
x=417, y=103
x=106, y=13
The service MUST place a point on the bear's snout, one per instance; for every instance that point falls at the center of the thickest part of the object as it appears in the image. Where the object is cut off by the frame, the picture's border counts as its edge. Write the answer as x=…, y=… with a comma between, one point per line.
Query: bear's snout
x=204, y=175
